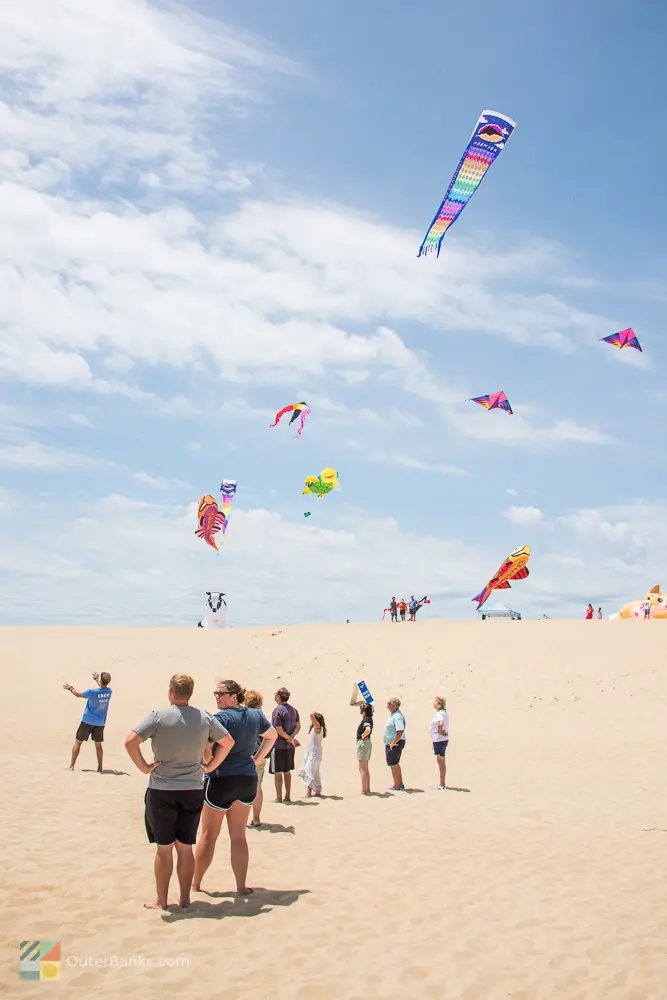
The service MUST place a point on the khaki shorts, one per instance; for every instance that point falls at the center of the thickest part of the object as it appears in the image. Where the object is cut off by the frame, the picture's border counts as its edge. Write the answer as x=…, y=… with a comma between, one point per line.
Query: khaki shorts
x=260, y=768
x=364, y=749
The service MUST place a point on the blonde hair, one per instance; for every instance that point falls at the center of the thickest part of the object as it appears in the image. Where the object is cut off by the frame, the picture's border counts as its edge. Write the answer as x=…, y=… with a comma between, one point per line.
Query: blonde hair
x=441, y=703
x=182, y=686
x=253, y=699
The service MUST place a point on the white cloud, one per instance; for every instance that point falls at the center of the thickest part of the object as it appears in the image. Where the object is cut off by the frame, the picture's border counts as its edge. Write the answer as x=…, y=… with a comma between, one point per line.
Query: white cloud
x=159, y=482
x=524, y=515
x=33, y=455
x=126, y=560
x=108, y=86
x=413, y=462
x=81, y=420
x=512, y=492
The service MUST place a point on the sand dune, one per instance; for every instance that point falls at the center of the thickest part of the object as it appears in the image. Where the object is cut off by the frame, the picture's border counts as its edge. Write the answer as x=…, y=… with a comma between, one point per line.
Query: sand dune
x=538, y=875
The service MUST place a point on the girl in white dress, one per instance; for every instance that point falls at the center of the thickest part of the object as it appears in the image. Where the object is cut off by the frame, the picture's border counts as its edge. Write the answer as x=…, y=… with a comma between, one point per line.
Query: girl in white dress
x=312, y=760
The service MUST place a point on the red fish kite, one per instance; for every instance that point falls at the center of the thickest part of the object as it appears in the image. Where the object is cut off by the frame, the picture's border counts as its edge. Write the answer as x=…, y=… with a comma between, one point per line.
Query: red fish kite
x=295, y=409
x=210, y=520
x=626, y=338
x=514, y=568
x=494, y=401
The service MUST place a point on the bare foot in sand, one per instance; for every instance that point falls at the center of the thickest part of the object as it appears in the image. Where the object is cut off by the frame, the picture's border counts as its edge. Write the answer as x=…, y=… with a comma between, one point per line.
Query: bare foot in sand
x=244, y=892
x=156, y=906
x=278, y=800
x=288, y=802
x=184, y=903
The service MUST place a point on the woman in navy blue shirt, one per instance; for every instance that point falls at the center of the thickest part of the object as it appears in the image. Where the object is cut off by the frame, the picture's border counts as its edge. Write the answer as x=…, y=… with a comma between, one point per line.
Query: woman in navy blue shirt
x=231, y=788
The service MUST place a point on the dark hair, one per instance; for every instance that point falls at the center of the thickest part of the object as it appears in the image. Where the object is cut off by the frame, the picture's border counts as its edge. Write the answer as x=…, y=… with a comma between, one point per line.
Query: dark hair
x=320, y=719
x=105, y=679
x=234, y=688
x=283, y=694
x=367, y=710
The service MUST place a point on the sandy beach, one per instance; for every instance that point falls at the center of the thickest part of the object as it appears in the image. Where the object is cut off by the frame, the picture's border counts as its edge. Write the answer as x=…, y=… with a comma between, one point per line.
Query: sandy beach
x=537, y=874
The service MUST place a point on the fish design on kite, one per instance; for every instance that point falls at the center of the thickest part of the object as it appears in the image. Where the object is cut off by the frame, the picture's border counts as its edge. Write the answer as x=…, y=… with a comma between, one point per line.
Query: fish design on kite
x=298, y=408
x=626, y=338
x=322, y=484
x=210, y=520
x=306, y=513
x=514, y=568
x=488, y=139
x=494, y=401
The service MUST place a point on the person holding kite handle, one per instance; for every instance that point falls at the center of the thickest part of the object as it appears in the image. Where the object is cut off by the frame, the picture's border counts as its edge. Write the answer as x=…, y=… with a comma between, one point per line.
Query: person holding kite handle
x=94, y=717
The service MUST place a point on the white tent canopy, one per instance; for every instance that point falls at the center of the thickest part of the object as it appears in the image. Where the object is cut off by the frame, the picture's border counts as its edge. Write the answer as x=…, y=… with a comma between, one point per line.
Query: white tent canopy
x=498, y=610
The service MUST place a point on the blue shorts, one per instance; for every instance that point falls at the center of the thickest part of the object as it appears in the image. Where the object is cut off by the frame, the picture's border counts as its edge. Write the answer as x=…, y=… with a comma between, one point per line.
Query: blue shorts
x=393, y=754
x=440, y=748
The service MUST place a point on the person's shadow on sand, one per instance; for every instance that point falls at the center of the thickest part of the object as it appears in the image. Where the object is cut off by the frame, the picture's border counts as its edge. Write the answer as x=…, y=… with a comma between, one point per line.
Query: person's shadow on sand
x=452, y=788
x=273, y=828
x=93, y=770
x=261, y=901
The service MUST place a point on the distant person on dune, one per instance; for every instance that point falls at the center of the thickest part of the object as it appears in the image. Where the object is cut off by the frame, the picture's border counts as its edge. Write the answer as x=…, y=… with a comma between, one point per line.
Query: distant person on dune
x=599, y=614
x=412, y=607
x=589, y=612
x=94, y=717
x=394, y=610
x=402, y=607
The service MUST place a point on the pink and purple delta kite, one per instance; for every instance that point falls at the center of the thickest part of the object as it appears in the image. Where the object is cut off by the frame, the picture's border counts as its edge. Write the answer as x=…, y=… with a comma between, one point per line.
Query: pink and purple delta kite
x=626, y=338
x=494, y=401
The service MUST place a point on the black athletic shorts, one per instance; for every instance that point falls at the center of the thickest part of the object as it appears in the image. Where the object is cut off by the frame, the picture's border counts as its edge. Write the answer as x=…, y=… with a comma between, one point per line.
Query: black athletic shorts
x=85, y=730
x=173, y=815
x=222, y=792
x=393, y=754
x=282, y=760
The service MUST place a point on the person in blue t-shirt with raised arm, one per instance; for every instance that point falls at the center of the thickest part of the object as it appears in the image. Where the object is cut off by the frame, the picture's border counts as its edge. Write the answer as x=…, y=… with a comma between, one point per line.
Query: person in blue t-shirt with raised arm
x=94, y=717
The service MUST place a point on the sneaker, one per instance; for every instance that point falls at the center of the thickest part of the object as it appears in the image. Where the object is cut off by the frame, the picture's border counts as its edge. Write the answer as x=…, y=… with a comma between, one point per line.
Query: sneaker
x=439, y=788
x=396, y=788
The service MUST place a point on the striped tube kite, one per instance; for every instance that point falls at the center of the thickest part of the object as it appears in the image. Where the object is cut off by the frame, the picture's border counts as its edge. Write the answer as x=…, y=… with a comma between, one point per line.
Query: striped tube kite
x=228, y=492
x=494, y=401
x=295, y=409
x=626, y=338
x=489, y=137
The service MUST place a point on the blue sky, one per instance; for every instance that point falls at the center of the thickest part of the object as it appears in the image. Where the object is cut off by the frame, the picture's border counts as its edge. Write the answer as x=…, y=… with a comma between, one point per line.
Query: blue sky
x=213, y=209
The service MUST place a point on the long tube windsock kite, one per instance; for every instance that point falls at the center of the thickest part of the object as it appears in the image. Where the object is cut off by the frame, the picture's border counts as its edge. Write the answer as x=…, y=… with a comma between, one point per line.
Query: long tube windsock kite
x=494, y=401
x=626, y=338
x=514, y=568
x=488, y=139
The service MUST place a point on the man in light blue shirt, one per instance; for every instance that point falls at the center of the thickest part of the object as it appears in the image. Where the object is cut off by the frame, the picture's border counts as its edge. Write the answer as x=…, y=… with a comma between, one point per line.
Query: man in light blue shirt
x=394, y=741
x=94, y=716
